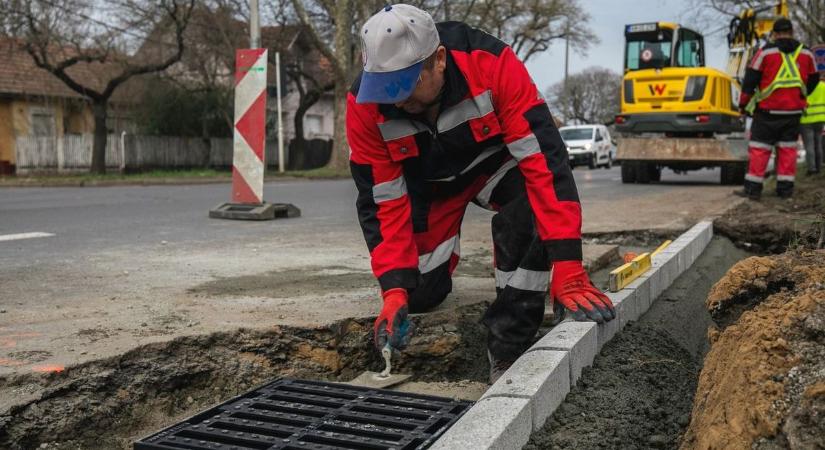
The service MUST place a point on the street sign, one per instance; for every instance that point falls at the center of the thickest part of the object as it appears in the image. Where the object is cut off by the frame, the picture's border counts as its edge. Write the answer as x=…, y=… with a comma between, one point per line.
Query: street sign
x=250, y=126
x=819, y=57
x=248, y=158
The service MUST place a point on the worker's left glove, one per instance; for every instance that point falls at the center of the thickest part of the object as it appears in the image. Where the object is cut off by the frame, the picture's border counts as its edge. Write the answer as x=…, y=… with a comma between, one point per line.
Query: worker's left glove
x=392, y=327
x=571, y=288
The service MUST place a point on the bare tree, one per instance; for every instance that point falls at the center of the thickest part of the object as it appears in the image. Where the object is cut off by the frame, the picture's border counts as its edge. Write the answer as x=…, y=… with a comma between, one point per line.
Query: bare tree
x=590, y=96
x=715, y=15
x=809, y=15
x=62, y=35
x=528, y=25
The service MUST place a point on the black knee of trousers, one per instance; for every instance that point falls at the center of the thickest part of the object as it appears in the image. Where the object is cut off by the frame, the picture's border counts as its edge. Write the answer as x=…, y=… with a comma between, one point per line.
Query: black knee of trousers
x=431, y=290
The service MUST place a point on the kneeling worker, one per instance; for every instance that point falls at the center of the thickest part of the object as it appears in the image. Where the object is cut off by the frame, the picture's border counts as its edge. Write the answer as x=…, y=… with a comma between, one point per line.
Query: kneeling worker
x=443, y=115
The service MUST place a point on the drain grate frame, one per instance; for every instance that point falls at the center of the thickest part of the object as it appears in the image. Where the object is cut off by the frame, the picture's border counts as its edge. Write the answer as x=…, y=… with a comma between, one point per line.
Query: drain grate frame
x=291, y=414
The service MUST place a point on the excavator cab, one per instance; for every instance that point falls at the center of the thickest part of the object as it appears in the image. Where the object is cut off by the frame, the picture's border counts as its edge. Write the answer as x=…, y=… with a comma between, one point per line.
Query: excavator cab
x=651, y=46
x=668, y=89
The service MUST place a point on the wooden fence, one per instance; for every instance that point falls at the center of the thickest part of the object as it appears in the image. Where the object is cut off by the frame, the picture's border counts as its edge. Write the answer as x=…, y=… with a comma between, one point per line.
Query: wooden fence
x=73, y=153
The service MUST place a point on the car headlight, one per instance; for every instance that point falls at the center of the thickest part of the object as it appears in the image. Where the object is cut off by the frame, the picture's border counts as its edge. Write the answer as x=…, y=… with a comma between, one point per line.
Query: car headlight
x=588, y=146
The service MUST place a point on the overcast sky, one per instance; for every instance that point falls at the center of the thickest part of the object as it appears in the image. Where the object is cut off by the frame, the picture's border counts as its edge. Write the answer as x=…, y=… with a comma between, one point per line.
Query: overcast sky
x=608, y=18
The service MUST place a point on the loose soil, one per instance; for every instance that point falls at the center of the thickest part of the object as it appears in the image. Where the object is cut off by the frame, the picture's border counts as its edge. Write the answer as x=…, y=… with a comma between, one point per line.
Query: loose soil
x=109, y=403
x=773, y=225
x=639, y=391
x=763, y=383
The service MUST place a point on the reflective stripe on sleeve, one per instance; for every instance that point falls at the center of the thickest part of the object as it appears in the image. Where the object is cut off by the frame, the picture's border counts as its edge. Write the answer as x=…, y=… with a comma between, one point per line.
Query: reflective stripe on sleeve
x=524, y=147
x=430, y=261
x=389, y=190
x=524, y=279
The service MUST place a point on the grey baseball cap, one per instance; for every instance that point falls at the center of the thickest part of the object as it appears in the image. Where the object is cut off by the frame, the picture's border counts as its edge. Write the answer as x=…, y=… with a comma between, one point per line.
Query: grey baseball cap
x=394, y=44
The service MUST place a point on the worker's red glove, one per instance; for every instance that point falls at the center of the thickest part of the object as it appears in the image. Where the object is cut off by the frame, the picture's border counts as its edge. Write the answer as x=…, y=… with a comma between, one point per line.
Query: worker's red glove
x=392, y=327
x=572, y=289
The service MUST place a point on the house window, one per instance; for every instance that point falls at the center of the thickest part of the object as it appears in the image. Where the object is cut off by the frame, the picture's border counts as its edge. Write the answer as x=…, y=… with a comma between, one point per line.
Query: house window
x=313, y=125
x=42, y=121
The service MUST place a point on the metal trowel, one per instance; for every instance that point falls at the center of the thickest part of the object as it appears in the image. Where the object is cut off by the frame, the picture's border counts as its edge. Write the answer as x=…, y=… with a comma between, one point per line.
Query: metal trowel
x=383, y=379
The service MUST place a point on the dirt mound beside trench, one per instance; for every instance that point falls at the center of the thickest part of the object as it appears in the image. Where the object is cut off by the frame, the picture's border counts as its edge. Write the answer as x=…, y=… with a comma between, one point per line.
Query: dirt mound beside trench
x=763, y=381
x=773, y=225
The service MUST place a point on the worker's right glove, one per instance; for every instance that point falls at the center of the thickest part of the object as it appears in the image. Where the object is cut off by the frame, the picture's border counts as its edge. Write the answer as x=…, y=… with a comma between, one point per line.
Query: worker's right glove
x=392, y=327
x=572, y=289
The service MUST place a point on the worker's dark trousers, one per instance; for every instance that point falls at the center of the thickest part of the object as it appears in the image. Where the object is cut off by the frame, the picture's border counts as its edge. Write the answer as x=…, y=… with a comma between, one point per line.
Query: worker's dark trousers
x=521, y=267
x=769, y=130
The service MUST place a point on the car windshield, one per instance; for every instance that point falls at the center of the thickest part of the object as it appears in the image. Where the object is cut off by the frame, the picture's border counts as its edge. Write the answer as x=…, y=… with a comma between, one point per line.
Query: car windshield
x=577, y=134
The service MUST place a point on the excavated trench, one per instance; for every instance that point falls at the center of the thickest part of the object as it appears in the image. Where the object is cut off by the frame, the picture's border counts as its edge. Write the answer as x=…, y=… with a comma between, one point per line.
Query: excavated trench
x=109, y=403
x=639, y=392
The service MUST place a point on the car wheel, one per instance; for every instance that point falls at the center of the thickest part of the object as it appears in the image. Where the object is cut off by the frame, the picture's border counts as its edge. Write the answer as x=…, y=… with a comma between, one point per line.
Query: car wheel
x=655, y=173
x=643, y=172
x=591, y=163
x=609, y=162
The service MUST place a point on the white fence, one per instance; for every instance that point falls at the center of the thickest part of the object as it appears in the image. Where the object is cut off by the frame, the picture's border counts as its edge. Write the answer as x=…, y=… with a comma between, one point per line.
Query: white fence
x=72, y=153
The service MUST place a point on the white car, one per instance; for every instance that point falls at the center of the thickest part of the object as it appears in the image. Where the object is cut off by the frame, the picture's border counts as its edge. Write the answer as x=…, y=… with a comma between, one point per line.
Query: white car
x=589, y=145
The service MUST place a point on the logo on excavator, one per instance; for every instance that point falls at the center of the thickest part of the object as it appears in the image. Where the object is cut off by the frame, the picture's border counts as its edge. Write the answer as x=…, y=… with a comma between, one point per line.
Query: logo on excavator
x=657, y=89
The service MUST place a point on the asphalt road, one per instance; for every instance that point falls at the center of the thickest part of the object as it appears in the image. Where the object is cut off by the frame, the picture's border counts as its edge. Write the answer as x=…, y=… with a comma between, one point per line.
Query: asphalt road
x=90, y=219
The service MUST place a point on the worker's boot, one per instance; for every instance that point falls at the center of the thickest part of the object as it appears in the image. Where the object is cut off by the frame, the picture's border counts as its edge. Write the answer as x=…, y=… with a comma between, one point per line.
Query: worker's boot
x=497, y=367
x=751, y=190
x=784, y=189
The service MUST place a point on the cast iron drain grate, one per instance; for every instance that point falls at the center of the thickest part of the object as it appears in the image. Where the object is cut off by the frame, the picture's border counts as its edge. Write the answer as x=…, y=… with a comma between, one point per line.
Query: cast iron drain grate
x=292, y=414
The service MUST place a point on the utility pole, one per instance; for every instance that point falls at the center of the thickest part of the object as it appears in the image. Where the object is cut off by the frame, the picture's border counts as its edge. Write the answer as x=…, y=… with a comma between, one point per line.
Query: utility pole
x=566, y=53
x=254, y=25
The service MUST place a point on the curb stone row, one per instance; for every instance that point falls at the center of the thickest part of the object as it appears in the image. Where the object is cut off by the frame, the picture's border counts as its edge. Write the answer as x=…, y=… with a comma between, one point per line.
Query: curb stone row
x=536, y=384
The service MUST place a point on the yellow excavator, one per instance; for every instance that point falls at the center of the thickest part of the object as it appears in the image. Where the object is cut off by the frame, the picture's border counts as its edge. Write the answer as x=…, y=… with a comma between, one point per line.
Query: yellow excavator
x=675, y=111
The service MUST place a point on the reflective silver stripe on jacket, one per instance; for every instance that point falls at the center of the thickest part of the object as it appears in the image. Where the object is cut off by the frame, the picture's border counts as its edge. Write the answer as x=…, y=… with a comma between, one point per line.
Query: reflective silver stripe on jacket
x=526, y=280
x=782, y=112
x=755, y=179
x=430, y=261
x=486, y=192
x=524, y=147
x=760, y=145
x=398, y=128
x=471, y=108
x=788, y=144
x=757, y=64
x=389, y=190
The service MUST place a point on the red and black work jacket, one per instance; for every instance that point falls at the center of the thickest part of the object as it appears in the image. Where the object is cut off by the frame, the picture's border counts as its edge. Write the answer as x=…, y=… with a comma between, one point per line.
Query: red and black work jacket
x=491, y=112
x=764, y=68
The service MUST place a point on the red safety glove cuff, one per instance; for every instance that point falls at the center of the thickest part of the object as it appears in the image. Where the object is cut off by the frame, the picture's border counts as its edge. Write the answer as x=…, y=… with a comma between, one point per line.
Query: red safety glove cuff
x=392, y=327
x=570, y=287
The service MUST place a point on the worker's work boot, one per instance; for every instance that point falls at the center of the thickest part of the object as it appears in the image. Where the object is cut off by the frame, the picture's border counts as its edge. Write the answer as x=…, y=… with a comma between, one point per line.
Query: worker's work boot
x=751, y=190
x=497, y=367
x=784, y=189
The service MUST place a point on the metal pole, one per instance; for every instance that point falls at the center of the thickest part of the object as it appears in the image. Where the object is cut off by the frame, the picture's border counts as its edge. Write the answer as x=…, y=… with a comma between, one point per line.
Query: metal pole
x=281, y=164
x=566, y=56
x=254, y=25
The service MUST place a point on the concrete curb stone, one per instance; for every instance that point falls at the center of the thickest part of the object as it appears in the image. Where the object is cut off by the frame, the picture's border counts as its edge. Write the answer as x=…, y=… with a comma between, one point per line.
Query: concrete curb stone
x=536, y=384
x=580, y=339
x=542, y=377
x=494, y=423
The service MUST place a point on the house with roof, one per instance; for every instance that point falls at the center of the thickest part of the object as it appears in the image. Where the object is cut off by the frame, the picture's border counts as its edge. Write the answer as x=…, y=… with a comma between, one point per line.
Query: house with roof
x=209, y=58
x=33, y=102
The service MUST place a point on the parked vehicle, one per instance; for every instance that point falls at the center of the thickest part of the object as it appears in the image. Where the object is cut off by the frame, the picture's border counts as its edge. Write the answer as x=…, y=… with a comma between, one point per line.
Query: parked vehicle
x=589, y=145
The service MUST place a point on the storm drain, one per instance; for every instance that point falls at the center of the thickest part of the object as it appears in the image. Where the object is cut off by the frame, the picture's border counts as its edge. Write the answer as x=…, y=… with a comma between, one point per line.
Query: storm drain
x=292, y=414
